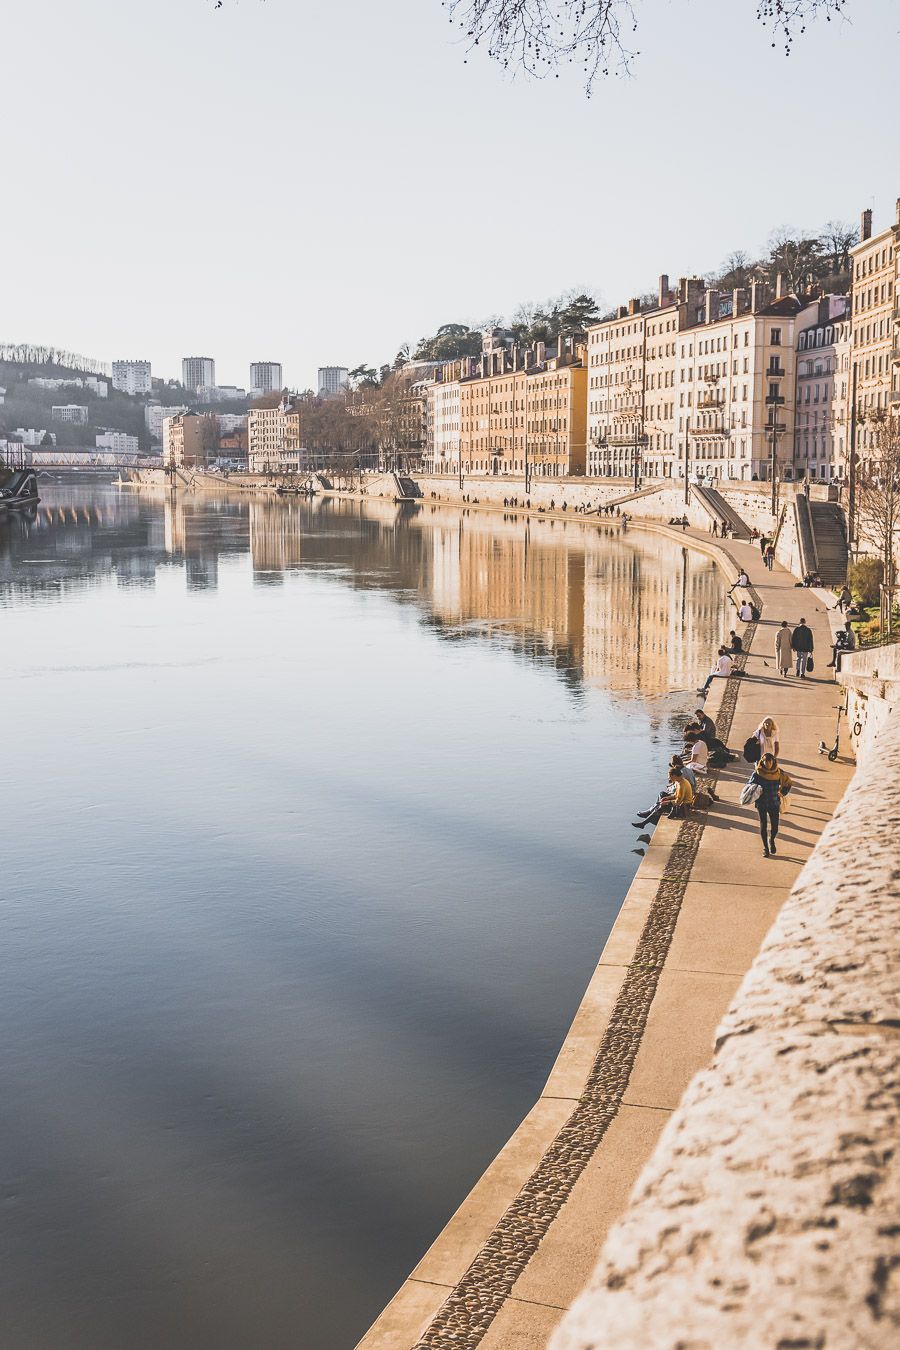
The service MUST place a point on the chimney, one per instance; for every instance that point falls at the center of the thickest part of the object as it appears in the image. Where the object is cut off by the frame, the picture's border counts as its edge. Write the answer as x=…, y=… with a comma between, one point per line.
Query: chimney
x=779, y=286
x=897, y=210
x=634, y=306
x=738, y=300
x=622, y=312
x=540, y=352
x=712, y=298
x=754, y=296
x=663, y=292
x=865, y=225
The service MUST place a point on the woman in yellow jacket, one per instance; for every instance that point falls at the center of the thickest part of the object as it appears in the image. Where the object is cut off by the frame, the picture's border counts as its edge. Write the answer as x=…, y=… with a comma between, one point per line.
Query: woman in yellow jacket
x=676, y=798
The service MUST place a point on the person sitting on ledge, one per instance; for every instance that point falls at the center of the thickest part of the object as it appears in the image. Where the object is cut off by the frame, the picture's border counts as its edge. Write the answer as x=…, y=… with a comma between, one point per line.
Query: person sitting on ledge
x=674, y=800
x=736, y=644
x=743, y=580
x=844, y=641
x=721, y=670
x=703, y=724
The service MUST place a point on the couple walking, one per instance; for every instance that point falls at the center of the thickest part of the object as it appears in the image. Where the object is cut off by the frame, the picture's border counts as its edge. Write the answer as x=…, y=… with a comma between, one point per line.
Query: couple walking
x=794, y=647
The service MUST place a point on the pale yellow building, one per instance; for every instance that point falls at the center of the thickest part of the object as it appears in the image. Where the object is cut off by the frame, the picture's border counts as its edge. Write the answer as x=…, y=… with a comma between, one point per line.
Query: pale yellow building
x=874, y=357
x=274, y=440
x=526, y=411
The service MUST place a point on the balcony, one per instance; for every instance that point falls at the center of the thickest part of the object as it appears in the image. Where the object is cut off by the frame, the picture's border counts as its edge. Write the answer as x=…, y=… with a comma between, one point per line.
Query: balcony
x=774, y=400
x=775, y=373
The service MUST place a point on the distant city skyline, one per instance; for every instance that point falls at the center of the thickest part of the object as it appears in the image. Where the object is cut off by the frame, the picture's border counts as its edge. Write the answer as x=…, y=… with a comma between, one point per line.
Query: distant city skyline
x=356, y=254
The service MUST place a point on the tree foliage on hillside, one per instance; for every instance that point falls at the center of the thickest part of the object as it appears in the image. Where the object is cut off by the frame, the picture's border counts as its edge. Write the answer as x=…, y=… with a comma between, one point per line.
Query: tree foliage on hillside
x=542, y=36
x=805, y=261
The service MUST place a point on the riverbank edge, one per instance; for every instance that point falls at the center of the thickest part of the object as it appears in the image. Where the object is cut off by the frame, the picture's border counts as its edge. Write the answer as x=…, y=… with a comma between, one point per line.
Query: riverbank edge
x=409, y=1314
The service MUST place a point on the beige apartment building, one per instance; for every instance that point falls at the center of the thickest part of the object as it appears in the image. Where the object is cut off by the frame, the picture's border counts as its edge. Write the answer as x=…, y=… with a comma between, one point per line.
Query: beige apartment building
x=189, y=440
x=526, y=411
x=822, y=395
x=631, y=389
x=274, y=442
x=735, y=382
x=875, y=353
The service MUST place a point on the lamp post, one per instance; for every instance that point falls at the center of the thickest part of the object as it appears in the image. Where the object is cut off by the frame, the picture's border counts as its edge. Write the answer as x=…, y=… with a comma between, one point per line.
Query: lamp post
x=687, y=460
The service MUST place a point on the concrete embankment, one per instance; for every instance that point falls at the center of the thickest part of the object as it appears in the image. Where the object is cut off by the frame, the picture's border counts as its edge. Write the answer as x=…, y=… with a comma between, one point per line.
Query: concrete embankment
x=768, y=1213
x=522, y=1246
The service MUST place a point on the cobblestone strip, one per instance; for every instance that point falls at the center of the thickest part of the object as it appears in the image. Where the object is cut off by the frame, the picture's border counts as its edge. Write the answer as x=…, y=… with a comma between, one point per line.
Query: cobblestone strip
x=467, y=1314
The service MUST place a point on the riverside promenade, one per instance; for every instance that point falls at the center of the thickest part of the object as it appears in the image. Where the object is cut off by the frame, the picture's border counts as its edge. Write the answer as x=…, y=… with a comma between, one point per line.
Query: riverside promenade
x=522, y=1245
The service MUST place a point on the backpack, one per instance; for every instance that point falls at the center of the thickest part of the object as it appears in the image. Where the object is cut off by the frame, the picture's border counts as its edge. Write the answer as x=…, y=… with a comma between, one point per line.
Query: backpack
x=751, y=750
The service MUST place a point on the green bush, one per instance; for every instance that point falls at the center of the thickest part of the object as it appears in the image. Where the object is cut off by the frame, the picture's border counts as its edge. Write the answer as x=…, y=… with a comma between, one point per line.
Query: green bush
x=864, y=578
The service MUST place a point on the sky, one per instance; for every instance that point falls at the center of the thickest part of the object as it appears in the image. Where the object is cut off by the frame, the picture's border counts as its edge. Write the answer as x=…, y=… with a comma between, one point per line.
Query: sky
x=317, y=183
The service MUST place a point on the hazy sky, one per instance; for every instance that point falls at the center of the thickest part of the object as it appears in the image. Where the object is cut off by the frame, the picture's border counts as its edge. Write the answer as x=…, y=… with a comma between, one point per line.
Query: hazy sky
x=317, y=182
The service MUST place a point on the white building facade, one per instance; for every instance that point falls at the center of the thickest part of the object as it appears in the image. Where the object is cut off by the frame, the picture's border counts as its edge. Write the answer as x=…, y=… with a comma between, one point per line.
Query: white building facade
x=132, y=377
x=822, y=393
x=76, y=414
x=442, y=427
x=198, y=372
x=332, y=380
x=265, y=378
x=154, y=416
x=119, y=442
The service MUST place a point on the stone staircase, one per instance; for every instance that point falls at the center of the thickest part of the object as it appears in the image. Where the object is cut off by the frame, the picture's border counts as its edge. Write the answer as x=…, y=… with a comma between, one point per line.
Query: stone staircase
x=830, y=537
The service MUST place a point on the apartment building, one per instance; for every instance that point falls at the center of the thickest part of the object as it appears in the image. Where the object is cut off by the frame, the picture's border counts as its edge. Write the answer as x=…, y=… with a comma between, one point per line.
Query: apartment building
x=154, y=416
x=822, y=392
x=526, y=410
x=189, y=440
x=265, y=378
x=332, y=380
x=442, y=401
x=198, y=372
x=875, y=351
x=76, y=414
x=119, y=442
x=132, y=377
x=274, y=442
x=631, y=393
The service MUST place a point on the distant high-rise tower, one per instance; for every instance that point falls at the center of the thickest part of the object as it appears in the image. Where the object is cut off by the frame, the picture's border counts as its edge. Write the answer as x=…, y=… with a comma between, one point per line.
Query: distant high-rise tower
x=198, y=371
x=132, y=377
x=332, y=379
x=265, y=377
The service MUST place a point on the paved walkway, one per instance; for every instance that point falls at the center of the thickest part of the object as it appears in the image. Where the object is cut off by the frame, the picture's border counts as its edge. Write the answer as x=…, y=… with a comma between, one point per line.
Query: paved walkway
x=524, y=1242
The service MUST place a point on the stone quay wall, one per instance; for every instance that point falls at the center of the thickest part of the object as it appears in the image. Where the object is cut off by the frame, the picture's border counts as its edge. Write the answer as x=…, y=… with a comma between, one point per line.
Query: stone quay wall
x=768, y=1215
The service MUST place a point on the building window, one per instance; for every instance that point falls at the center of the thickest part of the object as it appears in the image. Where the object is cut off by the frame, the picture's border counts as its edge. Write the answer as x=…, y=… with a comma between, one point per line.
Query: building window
x=775, y=337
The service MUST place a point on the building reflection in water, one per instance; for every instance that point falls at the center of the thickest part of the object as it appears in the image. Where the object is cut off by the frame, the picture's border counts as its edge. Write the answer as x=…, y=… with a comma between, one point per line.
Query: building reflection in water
x=633, y=612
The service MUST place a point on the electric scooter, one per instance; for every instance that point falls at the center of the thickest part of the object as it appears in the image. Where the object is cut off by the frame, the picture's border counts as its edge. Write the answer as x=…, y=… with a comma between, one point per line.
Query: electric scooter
x=832, y=753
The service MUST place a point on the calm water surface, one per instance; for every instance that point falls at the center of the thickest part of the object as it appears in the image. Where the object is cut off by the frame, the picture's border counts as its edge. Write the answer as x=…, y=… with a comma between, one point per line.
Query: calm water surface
x=316, y=819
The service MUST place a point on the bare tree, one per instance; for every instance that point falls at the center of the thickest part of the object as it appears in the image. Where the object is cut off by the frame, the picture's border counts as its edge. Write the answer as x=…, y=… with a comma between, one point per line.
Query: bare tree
x=540, y=36
x=878, y=495
x=838, y=238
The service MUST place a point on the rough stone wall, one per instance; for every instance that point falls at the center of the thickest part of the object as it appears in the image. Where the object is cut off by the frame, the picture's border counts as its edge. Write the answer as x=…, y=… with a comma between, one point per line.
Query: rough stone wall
x=769, y=1215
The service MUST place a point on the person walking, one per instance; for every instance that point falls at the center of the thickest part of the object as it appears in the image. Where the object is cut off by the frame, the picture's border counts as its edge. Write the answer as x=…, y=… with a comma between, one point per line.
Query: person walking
x=714, y=530
x=767, y=735
x=802, y=647
x=770, y=556
x=783, y=651
x=773, y=786
x=722, y=669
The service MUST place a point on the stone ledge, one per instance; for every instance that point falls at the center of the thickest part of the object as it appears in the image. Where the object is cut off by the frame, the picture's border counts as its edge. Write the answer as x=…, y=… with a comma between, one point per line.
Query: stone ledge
x=768, y=1215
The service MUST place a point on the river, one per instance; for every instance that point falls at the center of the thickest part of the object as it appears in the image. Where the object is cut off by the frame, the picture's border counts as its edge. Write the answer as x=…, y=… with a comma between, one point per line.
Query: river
x=316, y=820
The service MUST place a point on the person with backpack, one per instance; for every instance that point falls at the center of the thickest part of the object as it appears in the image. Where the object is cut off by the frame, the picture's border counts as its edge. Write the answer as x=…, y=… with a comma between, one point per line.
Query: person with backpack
x=783, y=651
x=802, y=646
x=766, y=789
x=767, y=738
